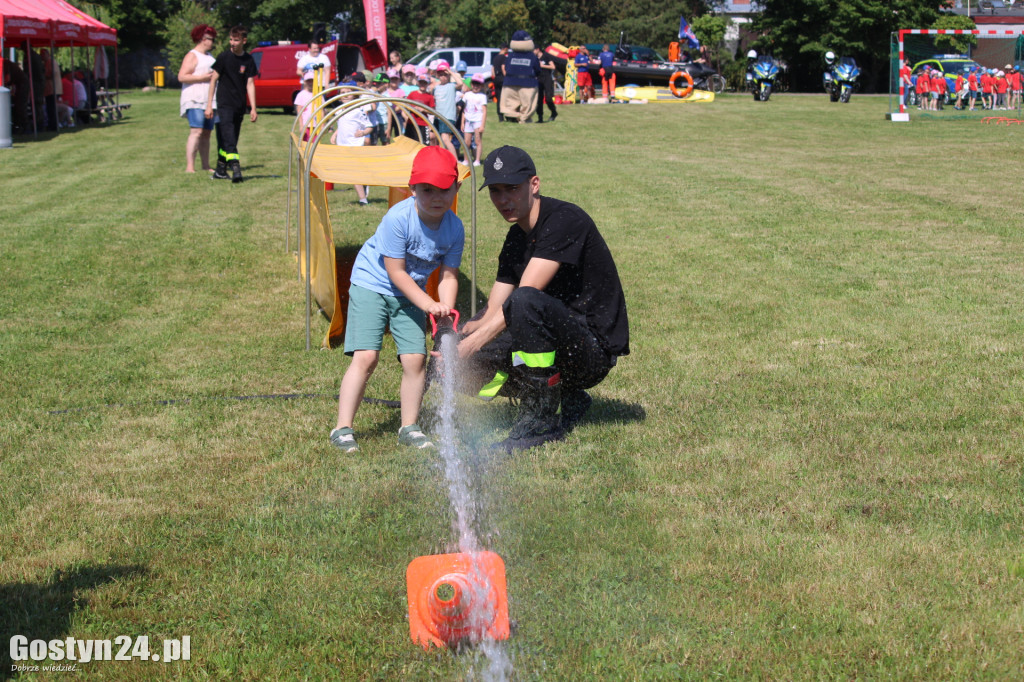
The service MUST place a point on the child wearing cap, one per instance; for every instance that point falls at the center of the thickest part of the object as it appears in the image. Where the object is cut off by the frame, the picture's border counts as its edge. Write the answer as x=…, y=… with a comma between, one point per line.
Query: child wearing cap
x=394, y=90
x=388, y=278
x=1016, y=82
x=408, y=79
x=445, y=93
x=416, y=127
x=302, y=98
x=474, y=117
x=379, y=113
x=354, y=129
x=1000, y=86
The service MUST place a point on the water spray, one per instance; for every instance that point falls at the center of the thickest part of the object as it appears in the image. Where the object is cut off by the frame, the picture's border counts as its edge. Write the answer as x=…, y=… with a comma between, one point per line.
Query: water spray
x=461, y=597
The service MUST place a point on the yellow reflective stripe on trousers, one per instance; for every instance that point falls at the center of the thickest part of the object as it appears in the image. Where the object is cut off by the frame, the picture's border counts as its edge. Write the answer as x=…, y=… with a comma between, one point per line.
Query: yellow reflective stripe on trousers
x=520, y=357
x=231, y=157
x=493, y=386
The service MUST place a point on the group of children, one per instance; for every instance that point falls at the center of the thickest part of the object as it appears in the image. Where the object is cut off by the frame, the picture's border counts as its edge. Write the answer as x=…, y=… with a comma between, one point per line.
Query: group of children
x=996, y=89
x=458, y=99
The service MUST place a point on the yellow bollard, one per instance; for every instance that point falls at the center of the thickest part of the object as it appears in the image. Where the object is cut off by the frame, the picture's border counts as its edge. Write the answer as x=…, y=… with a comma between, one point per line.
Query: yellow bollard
x=158, y=76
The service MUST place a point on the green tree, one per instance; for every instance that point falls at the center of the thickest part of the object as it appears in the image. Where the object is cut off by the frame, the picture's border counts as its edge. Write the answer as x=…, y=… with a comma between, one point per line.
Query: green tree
x=138, y=22
x=710, y=31
x=801, y=31
x=953, y=43
x=176, y=31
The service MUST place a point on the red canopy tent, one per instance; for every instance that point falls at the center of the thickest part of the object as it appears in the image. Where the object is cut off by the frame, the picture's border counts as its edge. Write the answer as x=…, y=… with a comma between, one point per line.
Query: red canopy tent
x=50, y=23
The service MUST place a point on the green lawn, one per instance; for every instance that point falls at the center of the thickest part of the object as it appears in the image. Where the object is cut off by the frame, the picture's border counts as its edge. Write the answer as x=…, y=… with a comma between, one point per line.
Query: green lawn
x=810, y=466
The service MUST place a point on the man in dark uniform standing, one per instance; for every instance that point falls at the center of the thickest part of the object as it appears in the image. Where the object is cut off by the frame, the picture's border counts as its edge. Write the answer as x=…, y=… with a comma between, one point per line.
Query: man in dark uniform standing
x=498, y=75
x=235, y=70
x=555, y=321
x=546, y=85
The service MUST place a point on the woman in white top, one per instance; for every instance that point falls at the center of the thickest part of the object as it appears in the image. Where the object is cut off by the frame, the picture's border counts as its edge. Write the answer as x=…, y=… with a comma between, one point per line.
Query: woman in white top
x=195, y=74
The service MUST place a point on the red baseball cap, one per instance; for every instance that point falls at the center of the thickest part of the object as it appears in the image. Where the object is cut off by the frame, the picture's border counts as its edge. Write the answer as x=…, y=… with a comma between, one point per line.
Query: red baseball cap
x=434, y=166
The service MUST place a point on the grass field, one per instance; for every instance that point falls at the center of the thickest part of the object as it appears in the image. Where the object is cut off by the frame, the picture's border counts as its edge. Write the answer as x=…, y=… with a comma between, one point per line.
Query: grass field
x=810, y=467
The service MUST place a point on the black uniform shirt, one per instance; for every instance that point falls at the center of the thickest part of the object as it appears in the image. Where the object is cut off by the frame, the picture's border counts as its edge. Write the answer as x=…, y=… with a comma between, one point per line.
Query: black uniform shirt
x=587, y=281
x=234, y=71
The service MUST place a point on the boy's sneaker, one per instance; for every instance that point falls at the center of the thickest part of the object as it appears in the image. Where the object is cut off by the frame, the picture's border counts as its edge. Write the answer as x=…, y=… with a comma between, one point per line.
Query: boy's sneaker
x=344, y=439
x=219, y=175
x=413, y=437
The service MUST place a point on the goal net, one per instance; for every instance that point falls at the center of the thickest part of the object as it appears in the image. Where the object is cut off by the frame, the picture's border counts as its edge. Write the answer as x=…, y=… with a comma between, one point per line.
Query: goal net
x=951, y=51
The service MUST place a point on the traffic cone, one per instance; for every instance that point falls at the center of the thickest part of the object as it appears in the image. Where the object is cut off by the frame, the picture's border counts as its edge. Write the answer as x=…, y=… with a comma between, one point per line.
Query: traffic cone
x=455, y=598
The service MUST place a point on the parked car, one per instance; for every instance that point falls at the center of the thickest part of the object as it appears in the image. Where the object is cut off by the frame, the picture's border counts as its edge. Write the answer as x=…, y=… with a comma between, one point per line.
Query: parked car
x=277, y=83
x=478, y=59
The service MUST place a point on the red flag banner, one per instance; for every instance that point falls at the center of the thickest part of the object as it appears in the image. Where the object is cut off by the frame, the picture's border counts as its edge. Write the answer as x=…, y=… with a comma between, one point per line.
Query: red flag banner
x=376, y=26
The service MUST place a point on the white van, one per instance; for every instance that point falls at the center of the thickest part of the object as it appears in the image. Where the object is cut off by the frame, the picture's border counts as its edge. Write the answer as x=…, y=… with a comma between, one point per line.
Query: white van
x=478, y=59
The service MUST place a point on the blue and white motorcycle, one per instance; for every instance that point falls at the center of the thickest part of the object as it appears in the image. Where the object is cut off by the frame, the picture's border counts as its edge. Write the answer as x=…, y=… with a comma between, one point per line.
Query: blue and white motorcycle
x=761, y=75
x=840, y=80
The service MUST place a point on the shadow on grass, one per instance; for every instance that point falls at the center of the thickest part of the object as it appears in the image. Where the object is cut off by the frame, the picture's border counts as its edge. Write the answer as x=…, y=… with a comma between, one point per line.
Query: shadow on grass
x=611, y=411
x=43, y=610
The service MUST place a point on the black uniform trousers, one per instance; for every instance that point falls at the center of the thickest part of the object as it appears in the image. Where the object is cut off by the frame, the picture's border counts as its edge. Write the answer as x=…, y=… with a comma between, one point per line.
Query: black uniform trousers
x=539, y=323
x=229, y=125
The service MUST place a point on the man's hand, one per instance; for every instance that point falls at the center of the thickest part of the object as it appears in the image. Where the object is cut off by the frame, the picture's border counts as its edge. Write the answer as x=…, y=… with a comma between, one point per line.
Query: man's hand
x=252, y=115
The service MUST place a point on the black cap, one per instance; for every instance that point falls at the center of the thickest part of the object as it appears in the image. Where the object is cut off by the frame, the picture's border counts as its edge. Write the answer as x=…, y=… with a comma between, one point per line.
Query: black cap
x=507, y=166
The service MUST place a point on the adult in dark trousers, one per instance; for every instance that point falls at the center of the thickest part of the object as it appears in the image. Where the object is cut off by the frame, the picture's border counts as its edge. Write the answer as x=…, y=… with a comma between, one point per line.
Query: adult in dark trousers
x=545, y=85
x=519, y=93
x=498, y=75
x=17, y=81
x=53, y=88
x=555, y=321
x=234, y=70
x=33, y=65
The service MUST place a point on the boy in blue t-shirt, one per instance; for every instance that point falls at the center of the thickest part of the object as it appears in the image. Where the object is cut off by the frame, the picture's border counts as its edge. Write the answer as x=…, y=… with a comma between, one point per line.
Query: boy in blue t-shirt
x=415, y=237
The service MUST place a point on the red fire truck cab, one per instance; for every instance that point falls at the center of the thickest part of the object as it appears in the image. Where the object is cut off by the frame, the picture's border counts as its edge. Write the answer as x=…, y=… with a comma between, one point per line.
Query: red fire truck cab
x=277, y=82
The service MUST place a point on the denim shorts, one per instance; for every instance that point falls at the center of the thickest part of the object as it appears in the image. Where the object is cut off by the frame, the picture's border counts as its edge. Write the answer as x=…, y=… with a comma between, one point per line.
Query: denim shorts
x=197, y=119
x=443, y=128
x=370, y=313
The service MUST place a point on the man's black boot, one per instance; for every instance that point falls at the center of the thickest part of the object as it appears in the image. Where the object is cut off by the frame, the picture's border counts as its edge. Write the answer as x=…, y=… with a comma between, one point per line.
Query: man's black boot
x=221, y=172
x=538, y=410
x=236, y=172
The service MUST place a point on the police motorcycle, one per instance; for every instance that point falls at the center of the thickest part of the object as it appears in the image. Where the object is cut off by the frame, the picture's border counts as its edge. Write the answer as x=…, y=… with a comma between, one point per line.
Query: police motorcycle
x=761, y=75
x=840, y=79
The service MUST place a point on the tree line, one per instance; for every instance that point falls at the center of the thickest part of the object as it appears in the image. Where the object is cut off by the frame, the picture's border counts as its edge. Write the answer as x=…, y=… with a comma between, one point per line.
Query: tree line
x=796, y=31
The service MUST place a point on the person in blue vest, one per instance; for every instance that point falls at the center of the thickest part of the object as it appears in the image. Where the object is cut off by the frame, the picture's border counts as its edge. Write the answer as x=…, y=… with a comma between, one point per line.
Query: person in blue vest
x=522, y=69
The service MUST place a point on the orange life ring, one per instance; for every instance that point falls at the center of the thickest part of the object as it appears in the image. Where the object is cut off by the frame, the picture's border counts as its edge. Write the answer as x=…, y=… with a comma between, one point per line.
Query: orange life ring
x=675, y=90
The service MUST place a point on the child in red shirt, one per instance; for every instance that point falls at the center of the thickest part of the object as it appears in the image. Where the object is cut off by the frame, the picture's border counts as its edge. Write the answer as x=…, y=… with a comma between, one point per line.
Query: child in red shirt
x=1000, y=86
x=938, y=91
x=416, y=128
x=923, y=88
x=972, y=85
x=986, y=90
x=1016, y=84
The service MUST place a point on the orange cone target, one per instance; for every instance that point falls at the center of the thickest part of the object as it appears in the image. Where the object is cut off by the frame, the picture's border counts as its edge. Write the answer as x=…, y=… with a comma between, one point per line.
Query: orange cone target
x=457, y=597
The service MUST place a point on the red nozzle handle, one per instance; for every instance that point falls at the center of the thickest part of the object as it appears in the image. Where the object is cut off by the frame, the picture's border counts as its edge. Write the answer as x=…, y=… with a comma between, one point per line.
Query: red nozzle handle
x=455, y=323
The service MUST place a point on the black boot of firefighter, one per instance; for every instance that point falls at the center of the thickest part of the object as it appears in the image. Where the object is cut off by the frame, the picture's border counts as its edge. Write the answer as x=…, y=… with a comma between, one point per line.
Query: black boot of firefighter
x=221, y=171
x=538, y=410
x=236, y=171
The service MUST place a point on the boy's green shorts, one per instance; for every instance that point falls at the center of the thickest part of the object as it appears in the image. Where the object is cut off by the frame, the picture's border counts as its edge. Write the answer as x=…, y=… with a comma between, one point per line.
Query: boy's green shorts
x=370, y=313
